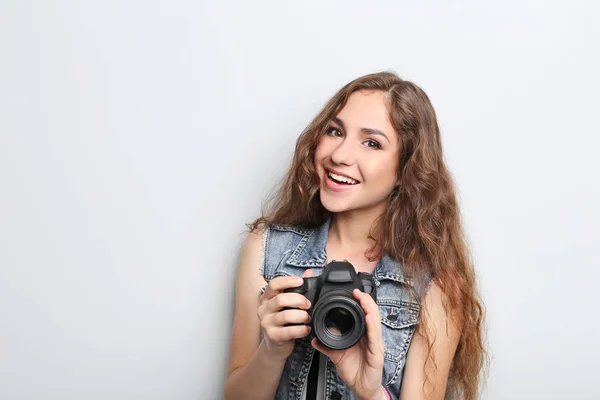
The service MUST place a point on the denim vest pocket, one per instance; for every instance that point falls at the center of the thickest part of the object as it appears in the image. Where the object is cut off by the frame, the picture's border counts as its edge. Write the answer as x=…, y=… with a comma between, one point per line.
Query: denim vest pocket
x=398, y=324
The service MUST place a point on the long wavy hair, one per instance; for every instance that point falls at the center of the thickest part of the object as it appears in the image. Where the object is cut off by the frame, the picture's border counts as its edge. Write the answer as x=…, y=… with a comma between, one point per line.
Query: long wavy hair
x=421, y=227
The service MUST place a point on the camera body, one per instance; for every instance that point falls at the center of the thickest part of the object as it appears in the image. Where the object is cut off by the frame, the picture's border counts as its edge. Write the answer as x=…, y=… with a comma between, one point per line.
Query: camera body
x=337, y=319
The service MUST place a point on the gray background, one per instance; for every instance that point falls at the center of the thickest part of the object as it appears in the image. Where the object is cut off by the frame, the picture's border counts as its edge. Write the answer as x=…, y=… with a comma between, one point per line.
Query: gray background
x=137, y=138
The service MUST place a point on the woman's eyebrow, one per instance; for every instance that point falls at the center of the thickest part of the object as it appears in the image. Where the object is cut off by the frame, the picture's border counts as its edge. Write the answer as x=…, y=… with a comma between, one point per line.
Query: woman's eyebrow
x=367, y=131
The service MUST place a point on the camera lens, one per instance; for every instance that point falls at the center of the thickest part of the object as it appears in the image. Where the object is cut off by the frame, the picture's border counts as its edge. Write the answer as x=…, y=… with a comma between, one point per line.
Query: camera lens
x=339, y=321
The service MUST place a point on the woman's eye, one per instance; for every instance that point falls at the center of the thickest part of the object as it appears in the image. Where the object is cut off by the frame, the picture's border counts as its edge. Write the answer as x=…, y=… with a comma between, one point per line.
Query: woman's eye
x=373, y=144
x=333, y=131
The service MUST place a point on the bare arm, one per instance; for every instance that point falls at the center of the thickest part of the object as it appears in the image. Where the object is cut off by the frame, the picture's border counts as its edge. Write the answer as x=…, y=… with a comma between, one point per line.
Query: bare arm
x=251, y=374
x=445, y=335
x=255, y=364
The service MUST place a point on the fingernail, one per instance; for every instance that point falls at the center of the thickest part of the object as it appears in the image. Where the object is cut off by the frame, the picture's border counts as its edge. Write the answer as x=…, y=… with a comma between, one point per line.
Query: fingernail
x=307, y=303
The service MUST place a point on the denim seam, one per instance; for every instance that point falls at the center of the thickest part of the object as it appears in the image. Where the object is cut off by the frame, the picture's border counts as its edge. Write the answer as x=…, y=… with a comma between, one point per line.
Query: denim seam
x=327, y=380
x=394, y=376
x=303, y=375
x=264, y=253
x=405, y=325
x=286, y=228
x=397, y=278
x=398, y=303
x=299, y=248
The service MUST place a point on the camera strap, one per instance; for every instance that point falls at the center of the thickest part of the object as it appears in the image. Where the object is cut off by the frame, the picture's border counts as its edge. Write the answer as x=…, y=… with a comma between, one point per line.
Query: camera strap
x=313, y=377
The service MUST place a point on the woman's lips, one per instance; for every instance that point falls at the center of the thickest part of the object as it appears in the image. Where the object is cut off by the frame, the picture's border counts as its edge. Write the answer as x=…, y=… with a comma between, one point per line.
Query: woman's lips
x=341, y=176
x=337, y=187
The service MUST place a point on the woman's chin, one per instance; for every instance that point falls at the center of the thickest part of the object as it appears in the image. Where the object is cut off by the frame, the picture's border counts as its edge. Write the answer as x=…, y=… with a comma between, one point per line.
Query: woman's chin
x=334, y=205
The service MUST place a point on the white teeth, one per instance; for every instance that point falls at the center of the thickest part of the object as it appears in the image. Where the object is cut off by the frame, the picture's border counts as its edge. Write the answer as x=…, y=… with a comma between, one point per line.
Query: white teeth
x=340, y=178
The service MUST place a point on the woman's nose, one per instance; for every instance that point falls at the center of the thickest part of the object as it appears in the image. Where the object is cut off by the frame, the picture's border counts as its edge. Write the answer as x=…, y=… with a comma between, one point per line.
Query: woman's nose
x=343, y=154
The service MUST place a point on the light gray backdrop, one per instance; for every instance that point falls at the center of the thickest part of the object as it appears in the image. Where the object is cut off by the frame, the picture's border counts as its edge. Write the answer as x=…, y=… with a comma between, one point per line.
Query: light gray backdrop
x=137, y=138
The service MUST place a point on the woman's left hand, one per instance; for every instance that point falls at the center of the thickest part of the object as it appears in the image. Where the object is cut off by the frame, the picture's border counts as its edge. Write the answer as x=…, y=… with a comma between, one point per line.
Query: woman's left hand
x=361, y=366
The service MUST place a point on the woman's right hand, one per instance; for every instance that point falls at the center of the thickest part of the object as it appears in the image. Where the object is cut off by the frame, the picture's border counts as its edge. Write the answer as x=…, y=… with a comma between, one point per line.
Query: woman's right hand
x=283, y=316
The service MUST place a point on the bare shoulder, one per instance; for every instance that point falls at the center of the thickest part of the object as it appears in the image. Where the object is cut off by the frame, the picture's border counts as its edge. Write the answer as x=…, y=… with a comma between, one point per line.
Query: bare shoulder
x=245, y=335
x=249, y=277
x=444, y=334
x=434, y=304
x=252, y=249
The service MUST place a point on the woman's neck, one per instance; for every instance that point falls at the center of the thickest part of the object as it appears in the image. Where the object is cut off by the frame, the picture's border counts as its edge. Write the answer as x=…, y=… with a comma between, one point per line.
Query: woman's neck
x=350, y=230
x=349, y=240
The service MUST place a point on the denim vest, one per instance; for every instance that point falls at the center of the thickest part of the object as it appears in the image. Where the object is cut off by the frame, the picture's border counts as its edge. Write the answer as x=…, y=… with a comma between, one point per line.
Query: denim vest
x=289, y=251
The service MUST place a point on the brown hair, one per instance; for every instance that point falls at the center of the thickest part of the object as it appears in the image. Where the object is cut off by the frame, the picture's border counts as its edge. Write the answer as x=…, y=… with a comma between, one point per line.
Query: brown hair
x=421, y=227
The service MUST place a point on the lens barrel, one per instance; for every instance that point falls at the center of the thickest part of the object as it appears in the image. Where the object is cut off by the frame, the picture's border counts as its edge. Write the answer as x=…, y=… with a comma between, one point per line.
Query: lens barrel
x=338, y=320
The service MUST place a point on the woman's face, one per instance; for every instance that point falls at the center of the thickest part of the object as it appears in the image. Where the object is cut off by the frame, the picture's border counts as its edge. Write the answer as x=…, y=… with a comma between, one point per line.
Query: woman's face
x=357, y=156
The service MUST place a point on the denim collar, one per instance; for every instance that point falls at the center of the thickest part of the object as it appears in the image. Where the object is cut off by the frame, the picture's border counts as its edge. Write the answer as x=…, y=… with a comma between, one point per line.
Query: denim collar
x=311, y=252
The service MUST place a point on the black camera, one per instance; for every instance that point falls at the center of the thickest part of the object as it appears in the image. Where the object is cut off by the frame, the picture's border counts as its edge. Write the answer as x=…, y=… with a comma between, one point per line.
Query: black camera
x=337, y=319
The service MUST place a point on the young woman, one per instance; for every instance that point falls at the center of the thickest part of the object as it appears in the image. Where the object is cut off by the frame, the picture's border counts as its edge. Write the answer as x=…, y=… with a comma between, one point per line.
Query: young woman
x=367, y=184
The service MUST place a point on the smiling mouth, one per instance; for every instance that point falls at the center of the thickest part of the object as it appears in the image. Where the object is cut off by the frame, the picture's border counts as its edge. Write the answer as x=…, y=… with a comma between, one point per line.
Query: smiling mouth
x=342, y=180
